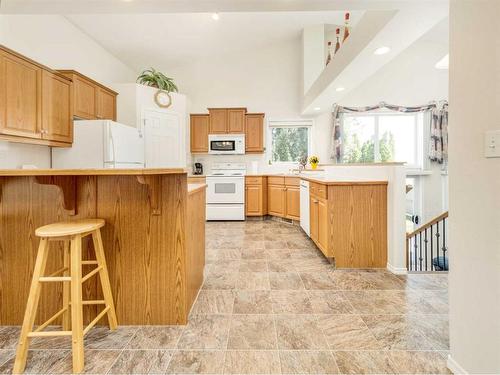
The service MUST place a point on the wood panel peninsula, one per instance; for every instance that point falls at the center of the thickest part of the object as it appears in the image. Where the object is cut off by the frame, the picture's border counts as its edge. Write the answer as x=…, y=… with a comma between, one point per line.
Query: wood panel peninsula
x=152, y=239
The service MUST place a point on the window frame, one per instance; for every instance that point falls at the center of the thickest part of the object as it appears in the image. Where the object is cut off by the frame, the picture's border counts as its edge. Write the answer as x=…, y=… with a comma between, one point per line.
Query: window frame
x=420, y=134
x=288, y=123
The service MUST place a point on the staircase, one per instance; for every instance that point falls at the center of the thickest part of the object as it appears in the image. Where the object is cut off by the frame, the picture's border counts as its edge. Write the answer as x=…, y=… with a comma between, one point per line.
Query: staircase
x=426, y=248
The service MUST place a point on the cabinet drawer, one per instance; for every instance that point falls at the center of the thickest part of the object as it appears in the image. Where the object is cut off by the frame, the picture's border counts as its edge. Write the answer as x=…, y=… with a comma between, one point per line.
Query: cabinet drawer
x=292, y=181
x=318, y=190
x=276, y=180
x=253, y=180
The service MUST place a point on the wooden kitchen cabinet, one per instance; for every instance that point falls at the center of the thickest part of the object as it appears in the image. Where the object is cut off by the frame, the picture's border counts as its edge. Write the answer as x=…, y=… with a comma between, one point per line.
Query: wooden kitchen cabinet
x=254, y=133
x=292, y=194
x=276, y=199
x=256, y=196
x=236, y=120
x=35, y=102
x=318, y=216
x=57, y=106
x=20, y=96
x=199, y=133
x=91, y=100
x=217, y=121
x=284, y=197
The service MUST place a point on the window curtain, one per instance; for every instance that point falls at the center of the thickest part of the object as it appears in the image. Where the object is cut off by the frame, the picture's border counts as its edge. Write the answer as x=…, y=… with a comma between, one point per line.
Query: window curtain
x=438, y=148
x=438, y=145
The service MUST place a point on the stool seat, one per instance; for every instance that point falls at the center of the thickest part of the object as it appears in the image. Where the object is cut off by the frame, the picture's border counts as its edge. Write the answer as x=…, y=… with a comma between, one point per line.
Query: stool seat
x=69, y=228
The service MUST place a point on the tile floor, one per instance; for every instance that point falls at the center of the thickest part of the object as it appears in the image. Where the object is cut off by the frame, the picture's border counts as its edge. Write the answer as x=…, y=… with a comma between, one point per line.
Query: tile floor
x=271, y=304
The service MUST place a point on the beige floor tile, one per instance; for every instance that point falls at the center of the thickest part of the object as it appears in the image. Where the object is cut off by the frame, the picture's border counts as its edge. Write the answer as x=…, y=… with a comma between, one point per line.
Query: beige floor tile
x=253, y=245
x=434, y=281
x=318, y=280
x=252, y=332
x=6, y=354
x=299, y=332
x=156, y=337
x=364, y=362
x=253, y=302
x=229, y=254
x=352, y=280
x=291, y=302
x=38, y=362
x=253, y=266
x=330, y=302
x=396, y=332
x=196, y=362
x=280, y=265
x=102, y=337
x=96, y=362
x=426, y=302
x=9, y=336
x=285, y=281
x=252, y=362
x=205, y=332
x=376, y=301
x=308, y=362
x=221, y=281
x=224, y=266
x=278, y=254
x=435, y=328
x=141, y=362
x=419, y=362
x=272, y=245
x=214, y=302
x=253, y=253
x=253, y=281
x=347, y=332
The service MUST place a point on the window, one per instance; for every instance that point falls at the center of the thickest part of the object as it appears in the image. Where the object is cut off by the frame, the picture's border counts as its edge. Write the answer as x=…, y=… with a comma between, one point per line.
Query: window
x=383, y=137
x=289, y=140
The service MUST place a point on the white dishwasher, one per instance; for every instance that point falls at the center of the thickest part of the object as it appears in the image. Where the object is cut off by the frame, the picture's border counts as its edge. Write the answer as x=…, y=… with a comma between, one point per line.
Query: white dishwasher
x=304, y=206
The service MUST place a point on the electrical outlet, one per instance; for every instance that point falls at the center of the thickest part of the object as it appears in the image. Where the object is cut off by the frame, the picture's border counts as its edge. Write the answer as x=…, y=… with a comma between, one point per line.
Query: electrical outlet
x=492, y=144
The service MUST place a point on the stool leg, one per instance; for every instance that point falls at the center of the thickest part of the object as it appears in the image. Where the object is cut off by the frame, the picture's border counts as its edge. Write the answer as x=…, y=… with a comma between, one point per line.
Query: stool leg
x=31, y=307
x=104, y=277
x=66, y=318
x=76, y=304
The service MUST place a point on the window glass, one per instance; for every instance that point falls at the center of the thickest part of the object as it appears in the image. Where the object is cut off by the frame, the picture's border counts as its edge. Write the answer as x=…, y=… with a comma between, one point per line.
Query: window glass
x=289, y=143
x=397, y=139
x=358, y=139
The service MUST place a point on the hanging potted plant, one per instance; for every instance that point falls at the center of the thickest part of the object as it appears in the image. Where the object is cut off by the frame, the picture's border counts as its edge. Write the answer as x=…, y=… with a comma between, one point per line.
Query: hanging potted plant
x=165, y=85
x=313, y=160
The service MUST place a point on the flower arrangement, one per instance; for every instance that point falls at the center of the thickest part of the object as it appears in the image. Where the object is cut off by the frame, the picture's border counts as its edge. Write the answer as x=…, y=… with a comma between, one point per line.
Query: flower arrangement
x=313, y=160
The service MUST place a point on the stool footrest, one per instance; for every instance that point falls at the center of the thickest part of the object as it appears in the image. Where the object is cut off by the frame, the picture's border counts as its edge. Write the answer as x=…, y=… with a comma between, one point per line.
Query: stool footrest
x=50, y=333
x=93, y=302
x=96, y=319
x=89, y=262
x=52, y=279
x=91, y=273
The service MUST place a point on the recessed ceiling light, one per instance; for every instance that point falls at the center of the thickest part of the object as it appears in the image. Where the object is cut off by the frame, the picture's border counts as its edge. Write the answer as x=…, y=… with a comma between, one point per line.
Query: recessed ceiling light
x=381, y=50
x=215, y=16
x=317, y=108
x=339, y=89
x=444, y=63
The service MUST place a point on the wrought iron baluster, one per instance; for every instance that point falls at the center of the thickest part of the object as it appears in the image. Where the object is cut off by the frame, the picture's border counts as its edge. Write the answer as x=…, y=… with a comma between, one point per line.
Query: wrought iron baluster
x=432, y=245
x=444, y=245
x=425, y=242
x=420, y=250
x=437, y=242
x=415, y=255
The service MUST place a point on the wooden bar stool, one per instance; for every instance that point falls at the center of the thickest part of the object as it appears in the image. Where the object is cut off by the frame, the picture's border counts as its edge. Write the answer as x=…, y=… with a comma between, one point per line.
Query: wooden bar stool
x=71, y=233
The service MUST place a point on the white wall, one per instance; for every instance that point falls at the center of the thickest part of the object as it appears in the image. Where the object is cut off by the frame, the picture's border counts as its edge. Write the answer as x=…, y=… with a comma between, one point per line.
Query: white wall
x=55, y=42
x=474, y=279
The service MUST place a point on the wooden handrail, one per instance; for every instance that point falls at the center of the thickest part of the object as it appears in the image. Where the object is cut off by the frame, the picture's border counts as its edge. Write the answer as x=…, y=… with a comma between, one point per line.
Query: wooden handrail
x=427, y=225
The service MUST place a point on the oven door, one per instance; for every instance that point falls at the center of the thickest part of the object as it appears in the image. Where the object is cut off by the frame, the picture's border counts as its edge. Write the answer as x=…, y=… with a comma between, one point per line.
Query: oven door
x=222, y=146
x=225, y=189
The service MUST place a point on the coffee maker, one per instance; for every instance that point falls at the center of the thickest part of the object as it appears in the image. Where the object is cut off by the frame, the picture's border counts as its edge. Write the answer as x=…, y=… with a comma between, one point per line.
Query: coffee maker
x=198, y=168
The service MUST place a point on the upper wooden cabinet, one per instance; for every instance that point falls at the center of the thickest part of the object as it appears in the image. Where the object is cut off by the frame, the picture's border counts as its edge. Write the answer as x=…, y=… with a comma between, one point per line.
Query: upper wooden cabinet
x=199, y=133
x=227, y=120
x=91, y=100
x=254, y=132
x=35, y=102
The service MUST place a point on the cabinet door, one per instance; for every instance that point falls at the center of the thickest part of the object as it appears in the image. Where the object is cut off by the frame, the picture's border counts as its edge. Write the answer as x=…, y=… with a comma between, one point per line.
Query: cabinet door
x=313, y=218
x=254, y=133
x=323, y=227
x=253, y=200
x=57, y=116
x=217, y=121
x=293, y=202
x=276, y=200
x=85, y=98
x=106, y=104
x=199, y=133
x=20, y=97
x=236, y=120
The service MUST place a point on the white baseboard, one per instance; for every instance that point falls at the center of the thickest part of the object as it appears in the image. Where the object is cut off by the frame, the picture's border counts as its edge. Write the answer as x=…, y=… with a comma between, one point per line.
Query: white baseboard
x=454, y=367
x=396, y=270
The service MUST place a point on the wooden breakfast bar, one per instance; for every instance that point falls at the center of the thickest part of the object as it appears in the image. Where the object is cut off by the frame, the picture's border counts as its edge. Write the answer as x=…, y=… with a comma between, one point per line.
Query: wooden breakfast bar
x=152, y=243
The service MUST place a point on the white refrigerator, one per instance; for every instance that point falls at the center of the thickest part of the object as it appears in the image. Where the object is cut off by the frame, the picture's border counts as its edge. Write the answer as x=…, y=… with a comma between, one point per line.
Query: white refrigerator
x=101, y=144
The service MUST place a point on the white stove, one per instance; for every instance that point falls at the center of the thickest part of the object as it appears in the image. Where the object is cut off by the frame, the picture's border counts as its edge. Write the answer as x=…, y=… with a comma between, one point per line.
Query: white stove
x=226, y=192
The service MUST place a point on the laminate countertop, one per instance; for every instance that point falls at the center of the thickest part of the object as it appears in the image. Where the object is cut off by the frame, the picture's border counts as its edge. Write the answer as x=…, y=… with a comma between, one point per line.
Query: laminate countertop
x=324, y=180
x=91, y=172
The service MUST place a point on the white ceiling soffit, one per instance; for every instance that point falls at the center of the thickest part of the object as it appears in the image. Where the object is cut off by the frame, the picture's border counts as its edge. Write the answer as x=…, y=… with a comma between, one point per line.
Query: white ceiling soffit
x=356, y=62
x=189, y=6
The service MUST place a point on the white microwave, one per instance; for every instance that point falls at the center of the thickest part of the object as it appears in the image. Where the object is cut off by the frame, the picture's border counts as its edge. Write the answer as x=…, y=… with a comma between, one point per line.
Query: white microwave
x=226, y=144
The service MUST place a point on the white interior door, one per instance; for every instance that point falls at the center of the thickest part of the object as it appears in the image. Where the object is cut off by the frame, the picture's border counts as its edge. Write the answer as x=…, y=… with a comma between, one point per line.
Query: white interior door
x=165, y=146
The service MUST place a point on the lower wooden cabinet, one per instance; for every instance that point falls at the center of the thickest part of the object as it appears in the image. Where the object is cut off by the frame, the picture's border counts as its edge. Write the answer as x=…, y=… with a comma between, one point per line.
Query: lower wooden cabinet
x=256, y=196
x=319, y=227
x=276, y=200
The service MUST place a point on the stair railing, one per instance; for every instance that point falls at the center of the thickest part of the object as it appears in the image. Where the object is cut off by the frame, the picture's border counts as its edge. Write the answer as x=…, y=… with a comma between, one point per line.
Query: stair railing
x=426, y=247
